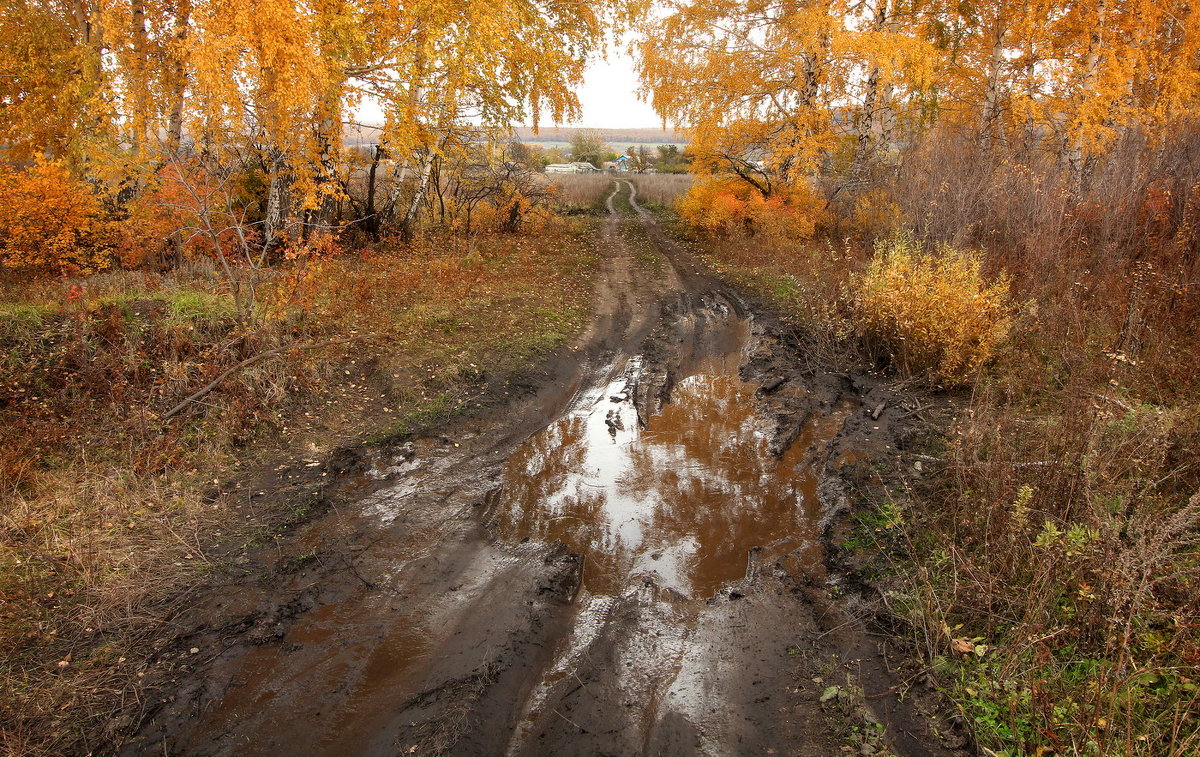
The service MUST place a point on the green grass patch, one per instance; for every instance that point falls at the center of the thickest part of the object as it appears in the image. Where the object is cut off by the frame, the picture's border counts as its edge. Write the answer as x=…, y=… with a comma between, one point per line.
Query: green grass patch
x=621, y=200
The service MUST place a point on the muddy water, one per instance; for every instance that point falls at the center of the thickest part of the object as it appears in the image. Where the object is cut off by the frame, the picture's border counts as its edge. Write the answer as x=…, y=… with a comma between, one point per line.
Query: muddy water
x=690, y=498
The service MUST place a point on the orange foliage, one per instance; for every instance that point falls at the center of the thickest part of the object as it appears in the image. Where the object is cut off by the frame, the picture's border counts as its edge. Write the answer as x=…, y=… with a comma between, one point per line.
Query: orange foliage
x=728, y=206
x=152, y=220
x=187, y=202
x=306, y=279
x=876, y=214
x=51, y=221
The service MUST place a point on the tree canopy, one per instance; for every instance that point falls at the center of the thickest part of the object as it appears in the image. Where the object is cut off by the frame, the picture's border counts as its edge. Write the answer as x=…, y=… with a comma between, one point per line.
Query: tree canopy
x=773, y=90
x=118, y=87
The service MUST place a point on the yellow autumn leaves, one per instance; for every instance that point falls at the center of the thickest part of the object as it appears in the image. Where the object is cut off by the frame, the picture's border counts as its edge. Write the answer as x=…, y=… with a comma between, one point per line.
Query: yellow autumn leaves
x=725, y=206
x=51, y=221
x=931, y=313
x=782, y=84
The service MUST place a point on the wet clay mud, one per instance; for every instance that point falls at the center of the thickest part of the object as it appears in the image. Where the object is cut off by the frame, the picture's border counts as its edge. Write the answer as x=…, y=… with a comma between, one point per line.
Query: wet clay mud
x=686, y=498
x=632, y=557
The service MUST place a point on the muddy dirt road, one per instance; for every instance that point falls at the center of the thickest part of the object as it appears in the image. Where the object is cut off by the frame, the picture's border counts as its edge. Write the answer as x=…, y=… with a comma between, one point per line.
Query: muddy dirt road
x=631, y=559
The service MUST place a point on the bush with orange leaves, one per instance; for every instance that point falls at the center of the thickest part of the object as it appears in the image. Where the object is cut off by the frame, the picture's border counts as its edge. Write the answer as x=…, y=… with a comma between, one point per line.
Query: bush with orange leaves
x=728, y=206
x=51, y=221
x=932, y=314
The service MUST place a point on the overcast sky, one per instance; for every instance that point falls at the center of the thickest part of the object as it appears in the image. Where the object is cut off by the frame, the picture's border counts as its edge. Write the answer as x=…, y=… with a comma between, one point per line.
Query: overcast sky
x=609, y=96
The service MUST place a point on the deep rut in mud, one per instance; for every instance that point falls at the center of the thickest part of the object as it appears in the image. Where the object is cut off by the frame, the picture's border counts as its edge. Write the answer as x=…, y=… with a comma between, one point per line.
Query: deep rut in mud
x=629, y=560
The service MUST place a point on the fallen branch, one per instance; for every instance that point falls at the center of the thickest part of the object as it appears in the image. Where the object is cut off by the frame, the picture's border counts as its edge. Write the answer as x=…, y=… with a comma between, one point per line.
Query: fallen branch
x=250, y=361
x=898, y=686
x=919, y=408
x=838, y=627
x=1116, y=402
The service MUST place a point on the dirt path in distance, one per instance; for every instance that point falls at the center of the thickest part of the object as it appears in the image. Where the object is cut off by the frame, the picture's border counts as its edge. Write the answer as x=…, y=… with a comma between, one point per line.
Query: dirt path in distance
x=631, y=559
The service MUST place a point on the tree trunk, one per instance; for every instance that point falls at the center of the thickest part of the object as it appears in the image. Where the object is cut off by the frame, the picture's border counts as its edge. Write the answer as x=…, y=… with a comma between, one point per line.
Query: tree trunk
x=91, y=61
x=436, y=179
x=407, y=227
x=178, y=83
x=399, y=176
x=176, y=88
x=992, y=131
x=329, y=137
x=512, y=224
x=370, y=222
x=139, y=122
x=1076, y=157
x=416, y=94
x=872, y=126
x=279, y=202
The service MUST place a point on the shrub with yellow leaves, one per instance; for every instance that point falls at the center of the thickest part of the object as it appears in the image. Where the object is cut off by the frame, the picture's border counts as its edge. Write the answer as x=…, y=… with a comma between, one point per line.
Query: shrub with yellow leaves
x=51, y=221
x=875, y=213
x=932, y=314
x=728, y=206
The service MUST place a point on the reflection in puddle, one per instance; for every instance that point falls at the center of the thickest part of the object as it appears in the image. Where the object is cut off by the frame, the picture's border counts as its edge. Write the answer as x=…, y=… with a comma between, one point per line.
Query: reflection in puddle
x=687, y=498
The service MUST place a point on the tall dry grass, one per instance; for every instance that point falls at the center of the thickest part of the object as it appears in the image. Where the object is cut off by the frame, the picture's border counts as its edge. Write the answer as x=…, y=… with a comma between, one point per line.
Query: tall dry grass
x=663, y=189
x=1048, y=558
x=1063, y=538
x=580, y=191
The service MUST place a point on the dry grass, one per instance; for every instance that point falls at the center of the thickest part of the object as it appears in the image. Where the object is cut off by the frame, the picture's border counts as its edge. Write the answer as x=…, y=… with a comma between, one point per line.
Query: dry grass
x=931, y=314
x=663, y=189
x=109, y=514
x=90, y=565
x=1065, y=541
x=583, y=191
x=1067, y=532
x=580, y=191
x=1051, y=565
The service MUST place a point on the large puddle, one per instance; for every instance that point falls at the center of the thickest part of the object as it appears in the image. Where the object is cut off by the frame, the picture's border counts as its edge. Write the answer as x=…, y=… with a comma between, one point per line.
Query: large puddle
x=691, y=499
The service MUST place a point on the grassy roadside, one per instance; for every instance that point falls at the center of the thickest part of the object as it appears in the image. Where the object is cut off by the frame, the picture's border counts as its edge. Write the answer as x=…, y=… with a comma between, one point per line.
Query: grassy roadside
x=1041, y=542
x=110, y=509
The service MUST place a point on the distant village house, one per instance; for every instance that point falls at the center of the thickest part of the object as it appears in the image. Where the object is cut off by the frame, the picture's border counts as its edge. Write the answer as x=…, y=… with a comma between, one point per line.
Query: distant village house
x=576, y=167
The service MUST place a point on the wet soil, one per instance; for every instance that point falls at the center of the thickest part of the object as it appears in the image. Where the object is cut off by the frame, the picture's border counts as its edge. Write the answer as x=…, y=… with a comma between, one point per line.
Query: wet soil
x=636, y=556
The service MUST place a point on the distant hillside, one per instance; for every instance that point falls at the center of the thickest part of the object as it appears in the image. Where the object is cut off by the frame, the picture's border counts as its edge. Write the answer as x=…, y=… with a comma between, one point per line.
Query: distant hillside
x=362, y=134
x=621, y=136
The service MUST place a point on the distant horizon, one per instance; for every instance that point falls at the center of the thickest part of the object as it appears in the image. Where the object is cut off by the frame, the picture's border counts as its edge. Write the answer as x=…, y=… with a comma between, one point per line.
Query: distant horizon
x=589, y=127
x=572, y=128
x=557, y=133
